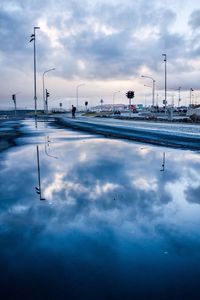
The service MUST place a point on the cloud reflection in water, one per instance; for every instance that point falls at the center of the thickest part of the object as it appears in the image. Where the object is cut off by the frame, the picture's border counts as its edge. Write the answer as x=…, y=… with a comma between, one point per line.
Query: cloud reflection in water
x=111, y=218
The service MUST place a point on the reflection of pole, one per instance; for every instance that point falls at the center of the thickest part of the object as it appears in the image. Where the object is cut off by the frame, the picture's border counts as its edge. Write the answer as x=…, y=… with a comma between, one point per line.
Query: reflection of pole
x=163, y=163
x=38, y=168
x=39, y=190
x=47, y=141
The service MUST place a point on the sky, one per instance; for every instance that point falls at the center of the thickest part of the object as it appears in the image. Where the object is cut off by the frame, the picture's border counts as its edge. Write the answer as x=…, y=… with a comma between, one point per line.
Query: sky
x=104, y=45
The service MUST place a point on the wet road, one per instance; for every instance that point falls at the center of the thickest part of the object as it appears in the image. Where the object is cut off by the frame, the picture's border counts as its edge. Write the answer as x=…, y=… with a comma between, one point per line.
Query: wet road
x=171, y=135
x=120, y=221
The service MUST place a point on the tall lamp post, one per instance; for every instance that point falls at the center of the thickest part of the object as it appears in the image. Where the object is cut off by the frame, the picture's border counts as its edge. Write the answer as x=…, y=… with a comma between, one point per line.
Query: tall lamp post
x=191, y=90
x=179, y=95
x=145, y=94
x=114, y=94
x=33, y=38
x=165, y=60
x=45, y=108
x=81, y=84
x=101, y=101
x=153, y=88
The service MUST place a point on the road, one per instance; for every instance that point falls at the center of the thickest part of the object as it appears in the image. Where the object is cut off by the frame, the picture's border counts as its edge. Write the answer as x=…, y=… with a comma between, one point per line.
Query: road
x=174, y=135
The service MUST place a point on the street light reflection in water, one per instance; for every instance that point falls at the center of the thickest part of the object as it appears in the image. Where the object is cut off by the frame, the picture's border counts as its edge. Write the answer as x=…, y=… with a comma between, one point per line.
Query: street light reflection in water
x=112, y=224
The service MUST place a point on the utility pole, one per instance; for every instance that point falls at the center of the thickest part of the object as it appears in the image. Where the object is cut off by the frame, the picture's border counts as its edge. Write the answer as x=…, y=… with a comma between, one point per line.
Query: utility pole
x=191, y=90
x=33, y=38
x=153, y=88
x=43, y=87
x=114, y=94
x=165, y=60
x=14, y=100
x=47, y=96
x=179, y=95
x=77, y=88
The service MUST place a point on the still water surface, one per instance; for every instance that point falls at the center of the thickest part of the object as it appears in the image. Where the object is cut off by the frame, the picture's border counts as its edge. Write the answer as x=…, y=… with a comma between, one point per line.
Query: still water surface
x=116, y=223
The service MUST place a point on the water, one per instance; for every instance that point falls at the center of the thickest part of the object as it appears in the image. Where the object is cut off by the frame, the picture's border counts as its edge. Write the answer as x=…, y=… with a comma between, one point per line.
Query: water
x=116, y=223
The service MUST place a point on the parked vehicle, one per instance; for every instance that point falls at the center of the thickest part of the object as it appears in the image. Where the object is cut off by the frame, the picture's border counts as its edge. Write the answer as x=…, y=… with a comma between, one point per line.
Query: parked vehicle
x=117, y=112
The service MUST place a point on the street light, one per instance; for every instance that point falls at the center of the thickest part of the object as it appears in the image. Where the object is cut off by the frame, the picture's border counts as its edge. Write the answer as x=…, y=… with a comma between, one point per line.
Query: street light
x=191, y=90
x=33, y=38
x=165, y=60
x=81, y=84
x=14, y=100
x=153, y=88
x=101, y=101
x=149, y=86
x=114, y=94
x=45, y=107
x=179, y=95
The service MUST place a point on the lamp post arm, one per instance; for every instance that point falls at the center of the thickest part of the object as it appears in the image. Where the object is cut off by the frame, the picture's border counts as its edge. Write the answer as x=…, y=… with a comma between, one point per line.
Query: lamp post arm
x=81, y=84
x=153, y=87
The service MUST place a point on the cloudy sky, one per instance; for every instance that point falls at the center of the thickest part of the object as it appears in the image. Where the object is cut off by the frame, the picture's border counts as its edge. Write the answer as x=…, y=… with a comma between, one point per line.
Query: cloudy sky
x=107, y=45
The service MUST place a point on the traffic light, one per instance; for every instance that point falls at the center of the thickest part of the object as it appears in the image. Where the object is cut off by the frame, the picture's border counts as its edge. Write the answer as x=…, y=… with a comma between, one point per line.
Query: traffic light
x=47, y=94
x=130, y=94
x=13, y=97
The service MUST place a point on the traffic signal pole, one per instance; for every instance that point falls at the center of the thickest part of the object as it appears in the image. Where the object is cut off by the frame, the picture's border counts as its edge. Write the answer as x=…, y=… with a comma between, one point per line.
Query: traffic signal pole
x=14, y=100
x=46, y=100
x=129, y=107
x=130, y=95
